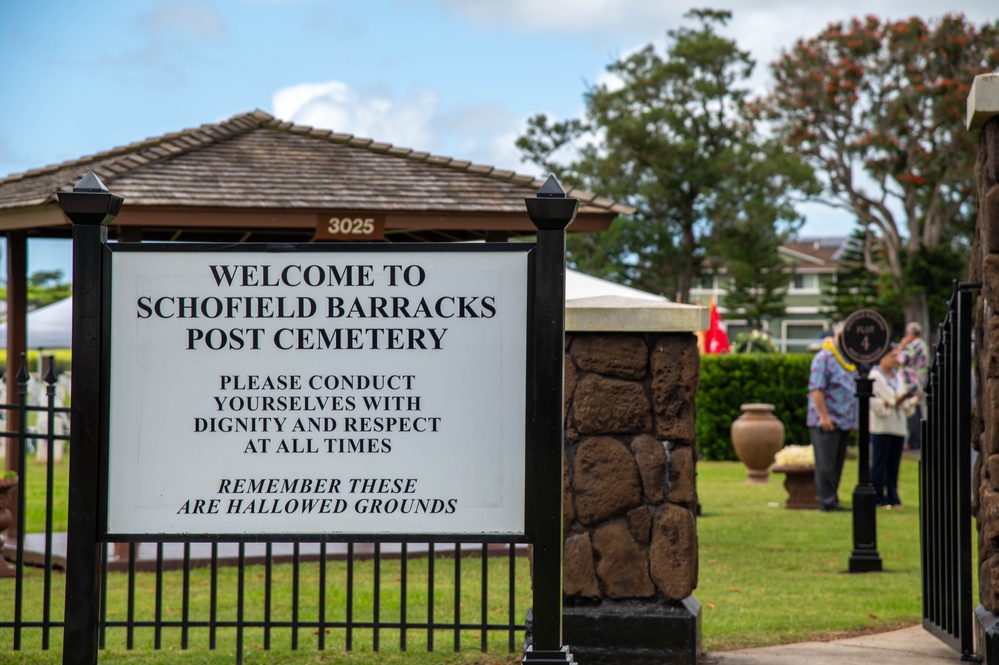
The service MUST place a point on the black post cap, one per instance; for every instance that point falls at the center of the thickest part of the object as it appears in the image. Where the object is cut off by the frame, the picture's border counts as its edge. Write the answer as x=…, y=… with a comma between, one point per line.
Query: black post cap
x=90, y=202
x=551, y=209
x=551, y=189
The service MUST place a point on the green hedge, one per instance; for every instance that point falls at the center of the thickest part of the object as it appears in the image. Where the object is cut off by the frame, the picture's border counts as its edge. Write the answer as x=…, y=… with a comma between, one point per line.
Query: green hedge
x=62, y=359
x=729, y=381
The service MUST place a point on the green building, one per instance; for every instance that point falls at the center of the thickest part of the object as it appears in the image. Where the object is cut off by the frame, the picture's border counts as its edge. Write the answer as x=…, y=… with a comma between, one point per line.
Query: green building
x=812, y=264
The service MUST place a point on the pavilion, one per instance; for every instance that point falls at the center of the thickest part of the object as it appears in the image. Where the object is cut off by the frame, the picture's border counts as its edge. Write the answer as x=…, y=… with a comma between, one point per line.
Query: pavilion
x=254, y=178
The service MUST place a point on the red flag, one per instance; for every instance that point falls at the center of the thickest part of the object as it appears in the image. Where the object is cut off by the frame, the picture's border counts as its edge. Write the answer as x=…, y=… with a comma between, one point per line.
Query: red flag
x=716, y=339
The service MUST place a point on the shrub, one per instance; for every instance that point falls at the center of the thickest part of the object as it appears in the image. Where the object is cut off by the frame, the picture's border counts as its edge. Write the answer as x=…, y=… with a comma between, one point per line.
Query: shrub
x=728, y=381
x=61, y=357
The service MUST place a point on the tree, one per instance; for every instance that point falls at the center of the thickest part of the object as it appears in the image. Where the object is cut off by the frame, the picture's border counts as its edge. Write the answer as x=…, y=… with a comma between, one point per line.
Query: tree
x=673, y=139
x=760, y=276
x=44, y=287
x=854, y=287
x=877, y=110
x=45, y=277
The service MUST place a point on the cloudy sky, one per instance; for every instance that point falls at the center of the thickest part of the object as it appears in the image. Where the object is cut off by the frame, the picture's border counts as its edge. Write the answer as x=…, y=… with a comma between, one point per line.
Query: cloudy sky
x=452, y=77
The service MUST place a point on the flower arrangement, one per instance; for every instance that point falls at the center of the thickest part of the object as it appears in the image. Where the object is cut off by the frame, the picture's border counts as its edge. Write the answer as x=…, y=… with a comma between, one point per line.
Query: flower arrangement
x=755, y=341
x=795, y=456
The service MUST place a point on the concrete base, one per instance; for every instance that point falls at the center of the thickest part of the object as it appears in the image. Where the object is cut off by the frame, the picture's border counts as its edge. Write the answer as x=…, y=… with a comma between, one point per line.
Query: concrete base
x=634, y=632
x=987, y=636
x=561, y=657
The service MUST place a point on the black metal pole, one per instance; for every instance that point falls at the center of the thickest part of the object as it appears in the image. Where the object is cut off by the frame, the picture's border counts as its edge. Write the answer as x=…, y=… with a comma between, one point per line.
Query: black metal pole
x=551, y=212
x=965, y=597
x=865, y=557
x=90, y=206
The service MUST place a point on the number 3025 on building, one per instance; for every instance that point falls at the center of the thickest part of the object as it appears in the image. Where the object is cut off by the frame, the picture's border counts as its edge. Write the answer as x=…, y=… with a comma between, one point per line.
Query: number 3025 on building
x=350, y=227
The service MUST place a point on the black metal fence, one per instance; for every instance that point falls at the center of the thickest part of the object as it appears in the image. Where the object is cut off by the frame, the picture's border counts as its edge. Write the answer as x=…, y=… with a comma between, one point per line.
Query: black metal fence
x=248, y=596
x=945, y=481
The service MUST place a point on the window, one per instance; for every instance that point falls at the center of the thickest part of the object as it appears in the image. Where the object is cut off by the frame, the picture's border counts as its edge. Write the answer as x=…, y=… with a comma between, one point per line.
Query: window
x=800, y=282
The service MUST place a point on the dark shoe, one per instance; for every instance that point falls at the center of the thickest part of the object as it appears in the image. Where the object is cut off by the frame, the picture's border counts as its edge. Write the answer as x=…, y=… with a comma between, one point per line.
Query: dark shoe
x=835, y=508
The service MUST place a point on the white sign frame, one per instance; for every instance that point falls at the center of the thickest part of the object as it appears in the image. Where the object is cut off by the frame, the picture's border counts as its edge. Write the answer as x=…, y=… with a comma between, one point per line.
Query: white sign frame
x=437, y=425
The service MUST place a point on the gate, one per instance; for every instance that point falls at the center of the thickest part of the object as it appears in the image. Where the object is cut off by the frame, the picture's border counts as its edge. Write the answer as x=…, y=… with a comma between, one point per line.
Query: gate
x=256, y=595
x=945, y=481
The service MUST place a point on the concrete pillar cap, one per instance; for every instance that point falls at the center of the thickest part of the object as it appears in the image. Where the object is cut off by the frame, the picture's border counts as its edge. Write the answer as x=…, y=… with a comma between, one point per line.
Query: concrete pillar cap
x=623, y=314
x=983, y=100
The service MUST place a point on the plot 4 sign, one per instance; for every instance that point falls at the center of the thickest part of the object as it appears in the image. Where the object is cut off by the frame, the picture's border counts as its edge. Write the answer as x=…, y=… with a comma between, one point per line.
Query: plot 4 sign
x=866, y=337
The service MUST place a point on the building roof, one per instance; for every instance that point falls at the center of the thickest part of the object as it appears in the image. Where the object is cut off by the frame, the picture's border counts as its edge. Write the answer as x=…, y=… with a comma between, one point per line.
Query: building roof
x=807, y=255
x=255, y=163
x=814, y=253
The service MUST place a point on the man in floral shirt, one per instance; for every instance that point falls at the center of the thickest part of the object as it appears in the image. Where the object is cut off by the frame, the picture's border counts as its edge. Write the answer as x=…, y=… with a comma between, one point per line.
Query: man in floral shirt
x=832, y=415
x=916, y=365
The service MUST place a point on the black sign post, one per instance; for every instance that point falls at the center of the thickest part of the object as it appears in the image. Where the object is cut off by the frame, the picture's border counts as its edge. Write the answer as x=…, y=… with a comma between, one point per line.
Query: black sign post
x=551, y=212
x=865, y=339
x=90, y=206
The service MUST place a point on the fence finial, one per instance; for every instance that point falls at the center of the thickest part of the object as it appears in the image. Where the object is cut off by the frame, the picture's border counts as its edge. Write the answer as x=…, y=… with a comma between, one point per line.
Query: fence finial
x=22, y=373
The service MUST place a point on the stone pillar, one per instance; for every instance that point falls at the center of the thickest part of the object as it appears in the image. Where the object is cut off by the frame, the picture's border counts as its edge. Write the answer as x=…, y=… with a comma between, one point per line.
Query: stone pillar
x=632, y=369
x=983, y=115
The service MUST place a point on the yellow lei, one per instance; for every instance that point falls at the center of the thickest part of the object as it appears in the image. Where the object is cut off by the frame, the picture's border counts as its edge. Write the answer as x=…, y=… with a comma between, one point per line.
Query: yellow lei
x=849, y=367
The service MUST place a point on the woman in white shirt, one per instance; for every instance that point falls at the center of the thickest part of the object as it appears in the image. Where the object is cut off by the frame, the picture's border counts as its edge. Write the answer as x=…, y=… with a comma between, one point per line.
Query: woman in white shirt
x=893, y=401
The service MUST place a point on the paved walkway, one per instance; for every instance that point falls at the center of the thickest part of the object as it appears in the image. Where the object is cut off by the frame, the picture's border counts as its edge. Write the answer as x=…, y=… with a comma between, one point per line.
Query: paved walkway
x=909, y=646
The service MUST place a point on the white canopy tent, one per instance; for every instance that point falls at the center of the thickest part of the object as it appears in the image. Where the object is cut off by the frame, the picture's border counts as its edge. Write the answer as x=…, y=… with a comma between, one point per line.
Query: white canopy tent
x=49, y=327
x=580, y=285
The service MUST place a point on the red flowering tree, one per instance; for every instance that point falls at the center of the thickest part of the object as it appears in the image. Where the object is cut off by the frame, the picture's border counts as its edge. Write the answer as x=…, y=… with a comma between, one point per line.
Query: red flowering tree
x=877, y=109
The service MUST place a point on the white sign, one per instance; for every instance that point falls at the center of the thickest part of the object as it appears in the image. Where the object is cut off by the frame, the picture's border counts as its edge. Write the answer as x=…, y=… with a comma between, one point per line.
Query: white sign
x=317, y=392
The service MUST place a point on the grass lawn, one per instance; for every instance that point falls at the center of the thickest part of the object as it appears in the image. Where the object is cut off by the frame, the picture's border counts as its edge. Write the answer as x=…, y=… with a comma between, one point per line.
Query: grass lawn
x=34, y=516
x=768, y=575
x=305, y=591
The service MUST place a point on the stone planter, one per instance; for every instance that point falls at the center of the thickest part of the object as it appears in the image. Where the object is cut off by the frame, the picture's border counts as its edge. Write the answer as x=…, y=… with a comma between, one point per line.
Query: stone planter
x=799, y=481
x=757, y=435
x=7, y=487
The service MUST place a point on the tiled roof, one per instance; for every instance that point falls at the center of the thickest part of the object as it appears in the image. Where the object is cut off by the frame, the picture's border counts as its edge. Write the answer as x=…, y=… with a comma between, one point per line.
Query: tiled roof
x=254, y=160
x=820, y=252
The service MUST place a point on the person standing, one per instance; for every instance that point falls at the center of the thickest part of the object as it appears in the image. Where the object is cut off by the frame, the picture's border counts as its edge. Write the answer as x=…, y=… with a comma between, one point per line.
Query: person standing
x=832, y=415
x=893, y=400
x=915, y=360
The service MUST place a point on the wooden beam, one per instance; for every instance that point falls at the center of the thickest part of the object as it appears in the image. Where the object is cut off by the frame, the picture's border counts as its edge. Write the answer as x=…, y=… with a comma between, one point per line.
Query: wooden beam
x=17, y=300
x=47, y=220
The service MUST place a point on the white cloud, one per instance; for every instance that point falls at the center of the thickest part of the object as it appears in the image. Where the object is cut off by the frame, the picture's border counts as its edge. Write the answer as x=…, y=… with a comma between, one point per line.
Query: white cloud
x=823, y=221
x=182, y=20
x=172, y=34
x=483, y=133
x=371, y=113
x=775, y=21
x=6, y=152
x=619, y=17
x=8, y=157
x=762, y=27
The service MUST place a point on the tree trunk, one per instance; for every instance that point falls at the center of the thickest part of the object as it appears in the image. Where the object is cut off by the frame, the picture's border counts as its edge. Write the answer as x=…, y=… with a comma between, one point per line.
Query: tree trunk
x=688, y=243
x=916, y=310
